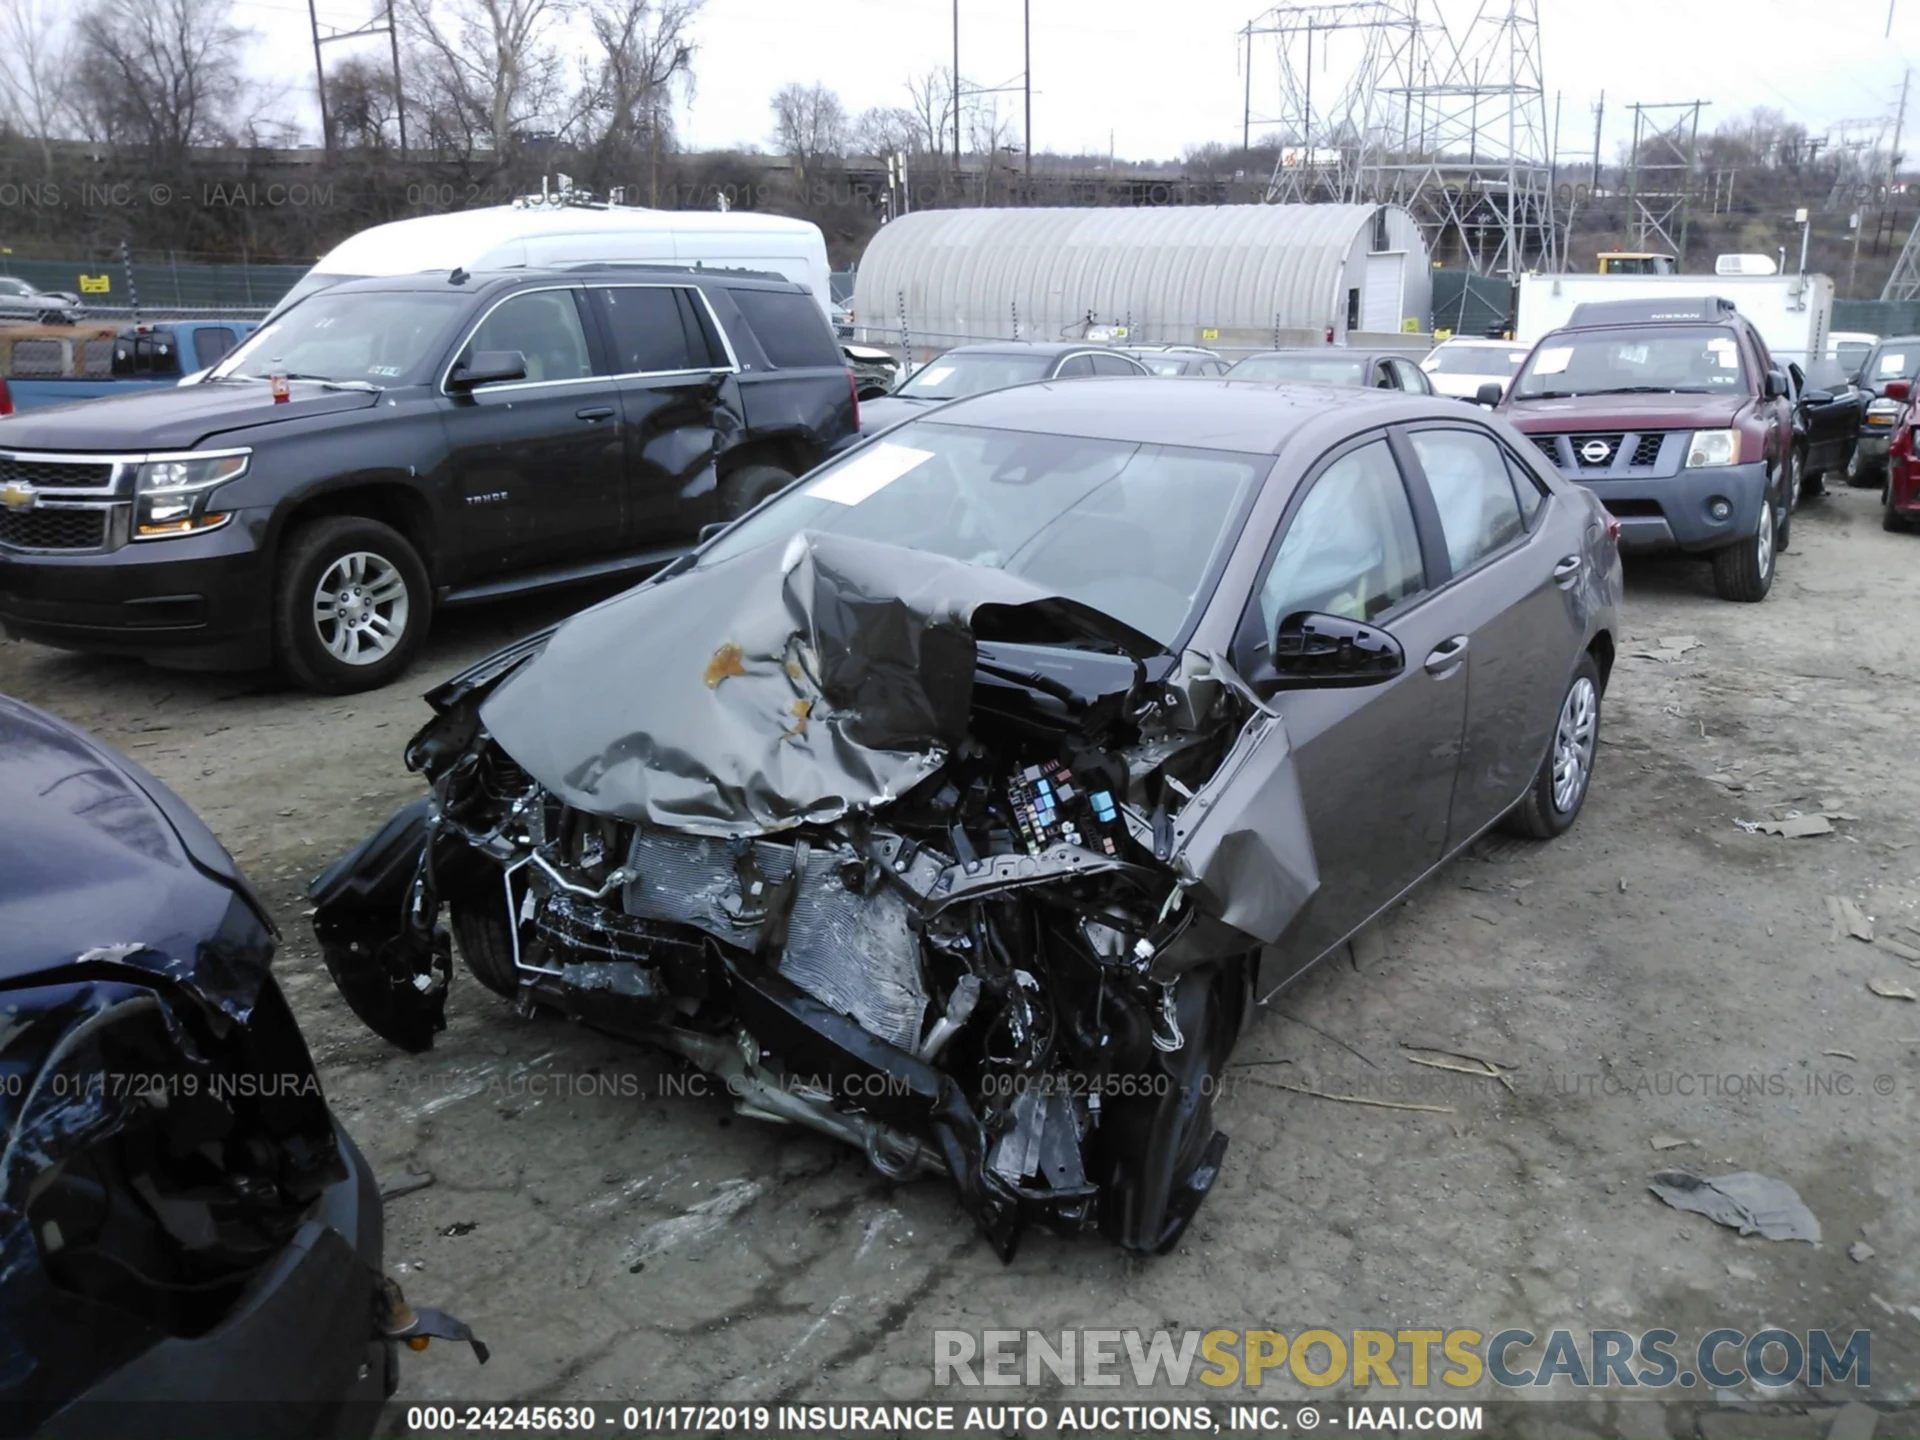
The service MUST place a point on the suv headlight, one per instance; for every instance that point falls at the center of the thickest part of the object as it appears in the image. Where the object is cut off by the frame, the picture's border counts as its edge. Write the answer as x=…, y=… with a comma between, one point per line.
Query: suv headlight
x=1713, y=447
x=172, y=495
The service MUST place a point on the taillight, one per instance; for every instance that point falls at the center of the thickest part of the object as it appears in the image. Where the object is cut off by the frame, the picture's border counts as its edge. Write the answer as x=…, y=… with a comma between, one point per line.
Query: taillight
x=853, y=394
x=6, y=398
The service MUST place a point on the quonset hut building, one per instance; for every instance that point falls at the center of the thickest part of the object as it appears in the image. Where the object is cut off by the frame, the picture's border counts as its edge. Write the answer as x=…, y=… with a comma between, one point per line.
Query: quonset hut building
x=1232, y=277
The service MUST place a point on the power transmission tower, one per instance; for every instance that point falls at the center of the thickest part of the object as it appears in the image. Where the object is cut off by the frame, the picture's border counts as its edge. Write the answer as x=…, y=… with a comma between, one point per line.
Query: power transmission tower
x=1660, y=174
x=375, y=26
x=1447, y=118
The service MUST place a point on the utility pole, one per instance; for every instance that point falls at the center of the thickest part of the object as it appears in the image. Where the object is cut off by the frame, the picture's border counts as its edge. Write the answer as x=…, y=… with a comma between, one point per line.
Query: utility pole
x=1599, y=114
x=1026, y=81
x=399, y=97
x=1900, y=121
x=956, y=89
x=319, y=78
x=1246, y=111
x=1686, y=186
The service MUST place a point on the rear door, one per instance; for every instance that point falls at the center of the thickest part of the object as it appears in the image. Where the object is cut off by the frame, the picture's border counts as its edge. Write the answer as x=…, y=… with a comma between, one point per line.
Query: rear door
x=1513, y=570
x=1375, y=764
x=537, y=463
x=672, y=373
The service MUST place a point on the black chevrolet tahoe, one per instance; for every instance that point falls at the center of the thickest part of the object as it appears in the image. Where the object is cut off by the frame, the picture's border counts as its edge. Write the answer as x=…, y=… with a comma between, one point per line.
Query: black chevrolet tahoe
x=387, y=447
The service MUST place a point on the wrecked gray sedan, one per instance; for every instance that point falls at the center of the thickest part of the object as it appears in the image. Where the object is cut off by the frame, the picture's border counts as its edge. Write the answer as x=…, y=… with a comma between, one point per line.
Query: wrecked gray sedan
x=960, y=801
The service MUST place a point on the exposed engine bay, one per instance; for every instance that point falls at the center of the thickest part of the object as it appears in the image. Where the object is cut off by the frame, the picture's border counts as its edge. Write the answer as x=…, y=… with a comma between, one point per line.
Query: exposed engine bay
x=909, y=851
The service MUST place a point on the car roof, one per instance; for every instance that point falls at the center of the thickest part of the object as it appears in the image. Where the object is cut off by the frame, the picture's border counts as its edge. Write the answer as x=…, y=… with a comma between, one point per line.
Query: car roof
x=1478, y=342
x=1898, y=340
x=1248, y=416
x=488, y=282
x=1287, y=352
x=1028, y=347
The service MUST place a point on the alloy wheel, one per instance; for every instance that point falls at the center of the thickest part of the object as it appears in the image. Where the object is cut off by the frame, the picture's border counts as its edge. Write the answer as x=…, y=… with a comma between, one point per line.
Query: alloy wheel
x=360, y=608
x=1573, y=741
x=1763, y=542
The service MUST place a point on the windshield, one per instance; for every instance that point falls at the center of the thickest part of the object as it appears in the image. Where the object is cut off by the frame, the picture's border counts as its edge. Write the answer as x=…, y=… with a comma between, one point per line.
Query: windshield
x=1898, y=361
x=952, y=376
x=1131, y=530
x=1320, y=369
x=308, y=284
x=377, y=339
x=1849, y=354
x=1699, y=361
x=1490, y=360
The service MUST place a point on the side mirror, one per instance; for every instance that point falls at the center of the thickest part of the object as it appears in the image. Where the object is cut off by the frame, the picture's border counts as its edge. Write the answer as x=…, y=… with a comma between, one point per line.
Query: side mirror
x=488, y=367
x=1489, y=394
x=1776, y=385
x=1898, y=389
x=1816, y=397
x=1313, y=650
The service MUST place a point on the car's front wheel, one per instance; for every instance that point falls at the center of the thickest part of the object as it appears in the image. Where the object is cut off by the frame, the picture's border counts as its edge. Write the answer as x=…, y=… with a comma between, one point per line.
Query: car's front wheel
x=351, y=606
x=1744, y=569
x=1859, y=474
x=1552, y=803
x=748, y=486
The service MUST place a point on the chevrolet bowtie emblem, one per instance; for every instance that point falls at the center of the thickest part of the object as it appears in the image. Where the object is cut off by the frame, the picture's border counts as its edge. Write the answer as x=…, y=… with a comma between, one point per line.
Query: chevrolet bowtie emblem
x=18, y=495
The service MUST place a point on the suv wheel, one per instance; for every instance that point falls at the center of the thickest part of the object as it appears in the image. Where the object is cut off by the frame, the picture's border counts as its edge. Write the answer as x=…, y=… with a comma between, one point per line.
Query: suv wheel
x=1857, y=474
x=351, y=605
x=1783, y=507
x=1552, y=803
x=748, y=486
x=1744, y=569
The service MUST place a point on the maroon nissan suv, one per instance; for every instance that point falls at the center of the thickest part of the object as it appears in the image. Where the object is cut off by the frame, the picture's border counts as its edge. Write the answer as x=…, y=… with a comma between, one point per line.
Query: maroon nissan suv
x=1675, y=415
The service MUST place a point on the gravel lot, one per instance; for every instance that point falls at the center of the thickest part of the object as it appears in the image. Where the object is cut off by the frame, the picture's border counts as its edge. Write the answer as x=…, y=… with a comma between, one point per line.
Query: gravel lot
x=630, y=1245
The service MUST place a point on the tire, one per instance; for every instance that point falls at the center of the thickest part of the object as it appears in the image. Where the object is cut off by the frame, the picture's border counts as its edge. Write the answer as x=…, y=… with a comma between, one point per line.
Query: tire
x=1859, y=477
x=381, y=572
x=1548, y=809
x=1743, y=571
x=748, y=486
x=480, y=930
x=1783, y=507
x=1891, y=520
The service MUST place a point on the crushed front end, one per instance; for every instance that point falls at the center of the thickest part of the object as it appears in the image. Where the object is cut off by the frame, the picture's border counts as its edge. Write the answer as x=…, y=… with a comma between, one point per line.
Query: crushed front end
x=910, y=852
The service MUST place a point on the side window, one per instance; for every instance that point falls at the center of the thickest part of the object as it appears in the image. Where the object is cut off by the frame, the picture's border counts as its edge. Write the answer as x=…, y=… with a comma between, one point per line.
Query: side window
x=702, y=344
x=210, y=344
x=1383, y=378
x=1351, y=548
x=1075, y=367
x=1113, y=365
x=1408, y=374
x=1472, y=490
x=790, y=327
x=1528, y=487
x=544, y=326
x=647, y=330
x=1213, y=367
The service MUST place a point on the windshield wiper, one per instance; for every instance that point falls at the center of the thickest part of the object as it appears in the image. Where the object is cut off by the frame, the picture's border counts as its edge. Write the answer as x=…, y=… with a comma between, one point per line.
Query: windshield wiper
x=332, y=384
x=1653, y=390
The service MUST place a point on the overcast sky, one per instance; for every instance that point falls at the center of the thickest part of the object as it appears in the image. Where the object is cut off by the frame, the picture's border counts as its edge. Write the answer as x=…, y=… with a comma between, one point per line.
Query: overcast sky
x=1159, y=77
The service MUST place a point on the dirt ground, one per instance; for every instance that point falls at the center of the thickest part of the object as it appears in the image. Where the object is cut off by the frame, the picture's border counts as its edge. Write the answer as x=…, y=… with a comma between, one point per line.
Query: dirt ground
x=1658, y=971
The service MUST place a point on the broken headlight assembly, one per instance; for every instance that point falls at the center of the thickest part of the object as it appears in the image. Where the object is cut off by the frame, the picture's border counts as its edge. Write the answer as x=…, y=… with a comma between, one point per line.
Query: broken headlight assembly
x=175, y=494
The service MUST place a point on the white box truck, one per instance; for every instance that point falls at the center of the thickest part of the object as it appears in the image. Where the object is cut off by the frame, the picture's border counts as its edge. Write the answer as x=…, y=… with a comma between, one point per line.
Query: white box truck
x=1793, y=313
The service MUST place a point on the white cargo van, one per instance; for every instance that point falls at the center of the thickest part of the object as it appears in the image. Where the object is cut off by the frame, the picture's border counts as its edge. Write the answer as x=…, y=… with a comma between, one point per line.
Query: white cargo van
x=538, y=232
x=1793, y=313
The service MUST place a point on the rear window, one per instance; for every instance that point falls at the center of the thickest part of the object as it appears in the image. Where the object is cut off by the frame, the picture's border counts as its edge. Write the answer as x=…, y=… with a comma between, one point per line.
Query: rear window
x=1893, y=362
x=790, y=328
x=648, y=330
x=38, y=359
x=210, y=345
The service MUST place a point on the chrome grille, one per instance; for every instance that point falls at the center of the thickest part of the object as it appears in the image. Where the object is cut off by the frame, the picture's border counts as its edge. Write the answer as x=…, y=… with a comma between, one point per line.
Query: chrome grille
x=55, y=474
x=1586, y=450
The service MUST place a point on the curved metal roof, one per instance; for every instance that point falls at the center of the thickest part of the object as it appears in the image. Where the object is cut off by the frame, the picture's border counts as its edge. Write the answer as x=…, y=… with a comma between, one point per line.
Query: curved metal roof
x=968, y=272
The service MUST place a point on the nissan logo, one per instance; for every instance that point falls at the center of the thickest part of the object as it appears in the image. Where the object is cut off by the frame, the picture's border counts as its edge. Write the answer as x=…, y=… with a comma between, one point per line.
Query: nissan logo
x=1595, y=452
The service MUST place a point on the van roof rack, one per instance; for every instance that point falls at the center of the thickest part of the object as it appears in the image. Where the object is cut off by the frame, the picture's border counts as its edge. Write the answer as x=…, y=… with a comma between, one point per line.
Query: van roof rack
x=1679, y=309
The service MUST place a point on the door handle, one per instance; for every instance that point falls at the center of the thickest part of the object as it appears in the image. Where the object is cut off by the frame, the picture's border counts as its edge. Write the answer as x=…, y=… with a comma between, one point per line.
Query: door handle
x=1568, y=567
x=594, y=412
x=1447, y=654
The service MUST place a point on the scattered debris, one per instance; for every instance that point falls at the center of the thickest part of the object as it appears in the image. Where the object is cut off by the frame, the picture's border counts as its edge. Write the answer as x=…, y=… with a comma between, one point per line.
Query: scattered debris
x=1682, y=643
x=1623, y=885
x=1368, y=948
x=1894, y=947
x=1792, y=827
x=1357, y=1099
x=1860, y=1252
x=1742, y=1272
x=459, y=1228
x=1847, y=919
x=1670, y=1142
x=1891, y=990
x=1855, y=1420
x=1745, y=1201
x=407, y=1185
x=1841, y=1054
x=1478, y=1065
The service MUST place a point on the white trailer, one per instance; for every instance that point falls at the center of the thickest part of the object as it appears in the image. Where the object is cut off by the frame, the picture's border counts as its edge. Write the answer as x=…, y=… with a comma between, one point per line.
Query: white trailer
x=1793, y=313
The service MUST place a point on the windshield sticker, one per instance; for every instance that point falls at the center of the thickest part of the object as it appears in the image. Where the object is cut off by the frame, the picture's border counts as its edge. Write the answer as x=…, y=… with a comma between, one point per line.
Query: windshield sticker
x=934, y=375
x=1553, y=360
x=1893, y=364
x=1725, y=355
x=1631, y=354
x=867, y=474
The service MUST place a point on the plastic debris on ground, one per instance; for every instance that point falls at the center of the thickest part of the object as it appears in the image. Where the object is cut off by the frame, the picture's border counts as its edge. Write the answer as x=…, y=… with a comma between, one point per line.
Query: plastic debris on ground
x=1745, y=1201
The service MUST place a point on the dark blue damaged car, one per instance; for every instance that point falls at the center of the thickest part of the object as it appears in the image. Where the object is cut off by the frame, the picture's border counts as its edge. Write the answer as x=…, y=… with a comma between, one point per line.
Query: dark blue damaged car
x=189, y=1242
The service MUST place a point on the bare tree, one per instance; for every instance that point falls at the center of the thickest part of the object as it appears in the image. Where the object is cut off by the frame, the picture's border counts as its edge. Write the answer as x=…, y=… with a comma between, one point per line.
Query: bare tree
x=886, y=130
x=989, y=135
x=810, y=124
x=162, y=73
x=362, y=105
x=36, y=83
x=931, y=97
x=487, y=69
x=644, y=54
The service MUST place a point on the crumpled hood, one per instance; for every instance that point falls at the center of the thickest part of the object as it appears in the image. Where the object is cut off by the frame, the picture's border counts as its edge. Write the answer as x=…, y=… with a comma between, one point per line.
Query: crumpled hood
x=787, y=685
